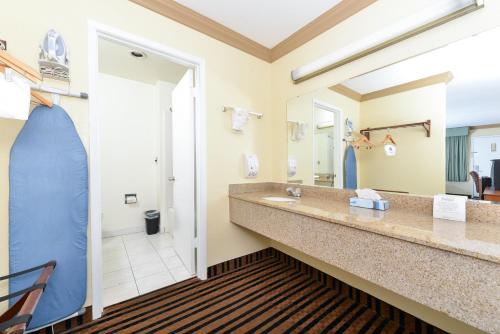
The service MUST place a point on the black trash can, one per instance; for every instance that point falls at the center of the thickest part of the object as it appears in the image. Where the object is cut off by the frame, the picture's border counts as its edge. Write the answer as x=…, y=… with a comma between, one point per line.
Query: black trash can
x=152, y=218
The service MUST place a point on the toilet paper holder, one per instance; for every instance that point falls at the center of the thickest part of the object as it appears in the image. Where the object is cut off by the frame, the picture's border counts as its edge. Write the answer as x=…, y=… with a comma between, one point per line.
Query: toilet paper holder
x=130, y=198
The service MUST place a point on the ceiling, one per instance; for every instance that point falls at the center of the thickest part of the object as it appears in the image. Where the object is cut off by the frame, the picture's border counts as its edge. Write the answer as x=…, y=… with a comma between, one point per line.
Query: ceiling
x=473, y=96
x=115, y=59
x=264, y=21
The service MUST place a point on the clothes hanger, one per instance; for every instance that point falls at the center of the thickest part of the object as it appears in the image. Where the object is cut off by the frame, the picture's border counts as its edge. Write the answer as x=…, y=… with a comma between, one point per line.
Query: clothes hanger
x=388, y=138
x=7, y=61
x=363, y=141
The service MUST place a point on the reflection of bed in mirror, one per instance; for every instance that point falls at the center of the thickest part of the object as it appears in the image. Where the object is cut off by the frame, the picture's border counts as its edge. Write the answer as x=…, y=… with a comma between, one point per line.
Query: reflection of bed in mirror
x=447, y=88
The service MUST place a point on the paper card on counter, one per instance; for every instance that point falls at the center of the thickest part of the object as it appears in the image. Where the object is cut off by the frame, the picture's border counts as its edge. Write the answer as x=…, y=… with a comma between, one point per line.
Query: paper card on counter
x=450, y=207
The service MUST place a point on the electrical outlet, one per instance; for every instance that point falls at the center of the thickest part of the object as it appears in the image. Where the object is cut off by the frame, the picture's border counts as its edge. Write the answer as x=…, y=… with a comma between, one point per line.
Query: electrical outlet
x=3, y=45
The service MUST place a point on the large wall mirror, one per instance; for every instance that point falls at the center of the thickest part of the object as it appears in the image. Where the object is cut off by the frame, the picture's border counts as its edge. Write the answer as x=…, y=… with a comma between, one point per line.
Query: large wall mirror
x=426, y=125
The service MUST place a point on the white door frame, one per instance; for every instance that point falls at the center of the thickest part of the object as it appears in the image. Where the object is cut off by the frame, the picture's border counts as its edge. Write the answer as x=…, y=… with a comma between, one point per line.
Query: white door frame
x=338, y=135
x=95, y=31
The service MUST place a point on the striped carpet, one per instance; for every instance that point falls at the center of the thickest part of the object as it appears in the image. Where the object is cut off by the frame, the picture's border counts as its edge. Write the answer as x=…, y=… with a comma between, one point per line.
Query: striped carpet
x=267, y=296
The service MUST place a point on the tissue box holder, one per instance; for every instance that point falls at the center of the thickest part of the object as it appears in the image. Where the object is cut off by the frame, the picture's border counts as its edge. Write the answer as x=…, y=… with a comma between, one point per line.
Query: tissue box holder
x=369, y=204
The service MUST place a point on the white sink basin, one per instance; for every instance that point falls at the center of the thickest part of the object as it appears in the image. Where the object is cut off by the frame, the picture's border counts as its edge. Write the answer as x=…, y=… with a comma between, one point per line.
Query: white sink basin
x=279, y=199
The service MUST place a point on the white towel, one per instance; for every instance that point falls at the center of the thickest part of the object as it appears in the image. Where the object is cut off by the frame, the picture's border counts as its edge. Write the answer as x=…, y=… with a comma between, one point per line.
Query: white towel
x=240, y=118
x=299, y=131
x=15, y=98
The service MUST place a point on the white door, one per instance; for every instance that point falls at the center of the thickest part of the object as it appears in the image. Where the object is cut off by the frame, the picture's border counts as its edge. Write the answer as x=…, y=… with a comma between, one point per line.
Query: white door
x=183, y=168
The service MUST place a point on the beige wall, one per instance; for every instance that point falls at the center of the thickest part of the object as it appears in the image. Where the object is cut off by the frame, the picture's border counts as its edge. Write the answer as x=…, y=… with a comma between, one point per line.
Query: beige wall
x=232, y=78
x=8, y=132
x=130, y=139
x=300, y=109
x=419, y=164
x=408, y=171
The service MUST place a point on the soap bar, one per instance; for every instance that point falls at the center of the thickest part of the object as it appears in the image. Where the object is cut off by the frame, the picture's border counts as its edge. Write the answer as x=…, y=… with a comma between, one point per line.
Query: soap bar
x=361, y=202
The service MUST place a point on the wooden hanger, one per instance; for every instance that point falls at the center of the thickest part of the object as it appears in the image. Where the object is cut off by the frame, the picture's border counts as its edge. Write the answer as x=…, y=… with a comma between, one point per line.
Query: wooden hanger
x=7, y=61
x=389, y=140
x=363, y=141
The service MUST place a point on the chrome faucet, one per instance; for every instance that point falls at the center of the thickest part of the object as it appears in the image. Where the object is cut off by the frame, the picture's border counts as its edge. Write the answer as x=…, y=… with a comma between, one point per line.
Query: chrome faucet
x=297, y=192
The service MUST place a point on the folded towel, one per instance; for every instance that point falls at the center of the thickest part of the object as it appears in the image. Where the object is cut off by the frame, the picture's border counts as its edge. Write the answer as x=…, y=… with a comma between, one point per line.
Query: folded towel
x=15, y=98
x=240, y=118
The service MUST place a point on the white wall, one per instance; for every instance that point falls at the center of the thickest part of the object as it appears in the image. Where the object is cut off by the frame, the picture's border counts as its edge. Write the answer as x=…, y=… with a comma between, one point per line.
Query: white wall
x=130, y=140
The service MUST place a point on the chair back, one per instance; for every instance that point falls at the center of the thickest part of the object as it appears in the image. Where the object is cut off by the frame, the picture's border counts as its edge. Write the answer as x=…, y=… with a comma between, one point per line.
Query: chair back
x=477, y=183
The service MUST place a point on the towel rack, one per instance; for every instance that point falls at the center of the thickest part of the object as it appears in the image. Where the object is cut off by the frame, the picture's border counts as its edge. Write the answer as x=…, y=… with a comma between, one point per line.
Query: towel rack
x=258, y=115
x=9, y=63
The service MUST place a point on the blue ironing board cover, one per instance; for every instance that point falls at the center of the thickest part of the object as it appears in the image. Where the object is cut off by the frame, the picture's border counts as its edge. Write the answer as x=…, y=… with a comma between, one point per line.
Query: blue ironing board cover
x=350, y=169
x=48, y=211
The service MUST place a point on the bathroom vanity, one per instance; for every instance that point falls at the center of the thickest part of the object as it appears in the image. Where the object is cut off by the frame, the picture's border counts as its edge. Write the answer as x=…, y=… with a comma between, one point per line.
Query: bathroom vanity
x=451, y=267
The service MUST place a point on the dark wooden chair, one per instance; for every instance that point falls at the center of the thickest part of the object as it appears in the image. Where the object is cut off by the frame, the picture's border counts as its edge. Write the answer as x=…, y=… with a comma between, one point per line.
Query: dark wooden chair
x=17, y=318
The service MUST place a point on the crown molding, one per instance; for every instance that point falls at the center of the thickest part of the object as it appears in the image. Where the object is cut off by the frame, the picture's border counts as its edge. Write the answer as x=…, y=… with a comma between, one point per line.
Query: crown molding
x=209, y=27
x=487, y=126
x=444, y=77
x=205, y=25
x=329, y=19
x=346, y=91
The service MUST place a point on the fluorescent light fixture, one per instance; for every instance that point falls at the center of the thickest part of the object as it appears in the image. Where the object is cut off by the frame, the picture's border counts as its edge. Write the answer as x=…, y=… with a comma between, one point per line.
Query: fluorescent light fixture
x=440, y=12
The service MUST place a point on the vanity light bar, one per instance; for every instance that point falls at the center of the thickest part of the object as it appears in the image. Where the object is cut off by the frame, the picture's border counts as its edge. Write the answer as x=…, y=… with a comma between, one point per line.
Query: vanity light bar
x=440, y=12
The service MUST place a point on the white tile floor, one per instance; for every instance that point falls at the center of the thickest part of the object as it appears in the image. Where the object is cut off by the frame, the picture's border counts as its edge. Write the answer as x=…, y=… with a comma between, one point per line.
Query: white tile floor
x=135, y=264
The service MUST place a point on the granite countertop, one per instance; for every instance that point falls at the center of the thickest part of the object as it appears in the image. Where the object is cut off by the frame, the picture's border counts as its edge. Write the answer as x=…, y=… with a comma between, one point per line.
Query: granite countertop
x=479, y=240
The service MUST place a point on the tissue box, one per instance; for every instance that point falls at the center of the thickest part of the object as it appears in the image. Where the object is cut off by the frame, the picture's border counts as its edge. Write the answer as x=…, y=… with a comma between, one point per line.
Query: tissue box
x=369, y=204
x=381, y=205
x=361, y=202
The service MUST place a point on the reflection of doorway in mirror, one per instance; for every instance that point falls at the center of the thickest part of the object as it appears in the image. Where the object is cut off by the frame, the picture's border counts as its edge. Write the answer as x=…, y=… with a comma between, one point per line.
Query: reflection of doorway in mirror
x=327, y=145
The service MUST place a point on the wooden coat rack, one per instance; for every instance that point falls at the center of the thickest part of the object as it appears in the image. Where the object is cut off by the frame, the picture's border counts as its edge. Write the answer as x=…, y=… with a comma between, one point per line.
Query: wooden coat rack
x=426, y=125
x=7, y=61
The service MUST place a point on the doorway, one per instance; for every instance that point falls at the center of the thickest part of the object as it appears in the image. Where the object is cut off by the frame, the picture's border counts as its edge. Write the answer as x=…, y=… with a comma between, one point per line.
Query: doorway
x=327, y=145
x=146, y=153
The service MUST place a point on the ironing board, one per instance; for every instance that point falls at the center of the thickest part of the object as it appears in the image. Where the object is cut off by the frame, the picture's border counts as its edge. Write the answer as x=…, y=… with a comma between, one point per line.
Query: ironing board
x=48, y=212
x=350, y=169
